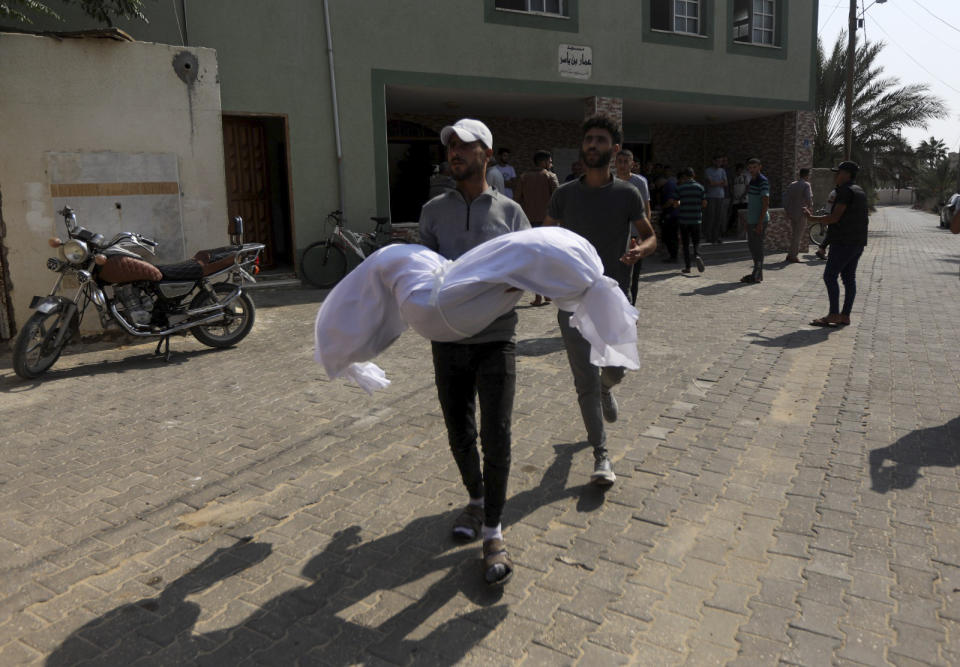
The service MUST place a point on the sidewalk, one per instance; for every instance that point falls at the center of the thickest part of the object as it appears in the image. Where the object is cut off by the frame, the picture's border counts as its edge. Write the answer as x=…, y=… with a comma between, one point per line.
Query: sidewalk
x=784, y=492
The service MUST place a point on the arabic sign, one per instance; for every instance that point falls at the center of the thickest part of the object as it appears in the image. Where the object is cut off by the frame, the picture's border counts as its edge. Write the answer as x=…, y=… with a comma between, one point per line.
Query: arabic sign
x=576, y=62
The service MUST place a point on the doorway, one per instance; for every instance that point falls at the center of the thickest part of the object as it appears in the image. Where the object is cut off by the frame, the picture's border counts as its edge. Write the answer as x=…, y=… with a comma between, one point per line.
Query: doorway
x=256, y=161
x=413, y=152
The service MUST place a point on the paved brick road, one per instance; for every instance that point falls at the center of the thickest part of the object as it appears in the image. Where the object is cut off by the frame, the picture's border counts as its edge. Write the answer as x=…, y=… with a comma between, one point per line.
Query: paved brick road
x=785, y=493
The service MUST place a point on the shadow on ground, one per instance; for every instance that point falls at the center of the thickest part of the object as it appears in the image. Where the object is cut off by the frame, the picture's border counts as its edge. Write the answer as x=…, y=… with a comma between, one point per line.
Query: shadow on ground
x=715, y=289
x=135, y=362
x=935, y=446
x=538, y=347
x=795, y=339
x=420, y=559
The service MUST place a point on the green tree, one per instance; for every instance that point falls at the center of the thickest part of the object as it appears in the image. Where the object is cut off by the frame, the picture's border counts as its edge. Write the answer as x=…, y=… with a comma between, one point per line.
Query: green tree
x=102, y=10
x=931, y=151
x=881, y=107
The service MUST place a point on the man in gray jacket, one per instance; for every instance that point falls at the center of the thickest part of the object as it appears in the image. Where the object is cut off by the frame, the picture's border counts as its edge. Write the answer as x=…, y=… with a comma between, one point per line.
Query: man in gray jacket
x=483, y=365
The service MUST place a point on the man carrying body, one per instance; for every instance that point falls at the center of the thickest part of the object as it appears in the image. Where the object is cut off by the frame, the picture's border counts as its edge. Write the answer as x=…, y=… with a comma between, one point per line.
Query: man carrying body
x=533, y=192
x=484, y=364
x=758, y=215
x=797, y=197
x=847, y=236
x=716, y=190
x=624, y=164
x=602, y=209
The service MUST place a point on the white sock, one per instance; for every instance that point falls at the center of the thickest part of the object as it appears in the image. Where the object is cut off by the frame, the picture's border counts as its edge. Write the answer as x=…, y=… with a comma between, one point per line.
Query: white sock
x=492, y=533
x=476, y=502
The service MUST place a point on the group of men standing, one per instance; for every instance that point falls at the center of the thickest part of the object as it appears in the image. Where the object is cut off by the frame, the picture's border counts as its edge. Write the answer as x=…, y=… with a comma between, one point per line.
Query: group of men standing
x=613, y=214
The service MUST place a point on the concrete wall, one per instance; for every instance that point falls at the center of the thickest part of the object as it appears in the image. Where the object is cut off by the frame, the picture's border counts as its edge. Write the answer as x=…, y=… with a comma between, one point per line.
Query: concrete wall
x=109, y=128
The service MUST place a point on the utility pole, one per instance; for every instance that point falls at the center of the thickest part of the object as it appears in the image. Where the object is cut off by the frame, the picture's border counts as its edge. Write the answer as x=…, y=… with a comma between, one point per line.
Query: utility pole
x=851, y=64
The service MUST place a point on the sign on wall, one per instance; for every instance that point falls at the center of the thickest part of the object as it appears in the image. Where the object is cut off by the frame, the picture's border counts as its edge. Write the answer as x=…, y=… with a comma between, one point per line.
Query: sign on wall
x=576, y=62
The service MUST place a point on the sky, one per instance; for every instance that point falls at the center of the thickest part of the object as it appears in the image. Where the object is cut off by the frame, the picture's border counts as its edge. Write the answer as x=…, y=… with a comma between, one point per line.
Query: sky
x=920, y=48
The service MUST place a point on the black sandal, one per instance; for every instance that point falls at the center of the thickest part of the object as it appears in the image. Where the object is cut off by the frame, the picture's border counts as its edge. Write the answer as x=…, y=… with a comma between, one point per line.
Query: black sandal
x=495, y=553
x=823, y=322
x=471, y=518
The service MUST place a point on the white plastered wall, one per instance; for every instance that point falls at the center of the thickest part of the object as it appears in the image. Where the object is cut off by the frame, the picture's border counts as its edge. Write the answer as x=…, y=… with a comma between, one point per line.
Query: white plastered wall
x=90, y=111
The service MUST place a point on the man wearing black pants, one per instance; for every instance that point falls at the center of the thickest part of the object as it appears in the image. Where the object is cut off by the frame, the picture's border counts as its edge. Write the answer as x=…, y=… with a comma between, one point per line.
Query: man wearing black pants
x=483, y=365
x=847, y=236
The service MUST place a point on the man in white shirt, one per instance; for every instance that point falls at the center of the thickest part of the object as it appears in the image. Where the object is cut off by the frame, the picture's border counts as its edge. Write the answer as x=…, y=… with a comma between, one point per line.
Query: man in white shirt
x=624, y=164
x=716, y=184
x=509, y=173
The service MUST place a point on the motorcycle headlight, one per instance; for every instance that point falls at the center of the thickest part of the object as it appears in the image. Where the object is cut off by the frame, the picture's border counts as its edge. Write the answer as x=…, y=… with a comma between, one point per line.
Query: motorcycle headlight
x=75, y=252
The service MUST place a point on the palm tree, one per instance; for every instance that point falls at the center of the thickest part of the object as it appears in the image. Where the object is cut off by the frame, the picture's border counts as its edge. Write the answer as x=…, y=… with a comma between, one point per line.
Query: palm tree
x=931, y=151
x=881, y=107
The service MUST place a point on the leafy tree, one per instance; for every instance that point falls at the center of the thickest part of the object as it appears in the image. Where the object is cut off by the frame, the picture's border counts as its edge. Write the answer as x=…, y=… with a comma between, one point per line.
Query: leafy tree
x=896, y=164
x=931, y=151
x=881, y=108
x=101, y=10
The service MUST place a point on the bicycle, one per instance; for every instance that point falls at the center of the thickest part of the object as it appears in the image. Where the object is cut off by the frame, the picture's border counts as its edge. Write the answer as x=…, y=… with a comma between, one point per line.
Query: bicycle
x=818, y=230
x=325, y=262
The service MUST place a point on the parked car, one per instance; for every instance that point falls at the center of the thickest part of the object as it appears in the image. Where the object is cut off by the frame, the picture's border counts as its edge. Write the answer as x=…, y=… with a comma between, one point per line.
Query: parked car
x=948, y=210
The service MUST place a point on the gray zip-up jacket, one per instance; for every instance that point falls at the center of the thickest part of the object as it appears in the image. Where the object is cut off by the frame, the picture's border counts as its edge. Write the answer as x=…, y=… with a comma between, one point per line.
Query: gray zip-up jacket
x=450, y=226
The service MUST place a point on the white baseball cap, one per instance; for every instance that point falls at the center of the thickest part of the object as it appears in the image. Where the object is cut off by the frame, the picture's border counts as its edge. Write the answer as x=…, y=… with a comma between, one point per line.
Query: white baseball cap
x=468, y=130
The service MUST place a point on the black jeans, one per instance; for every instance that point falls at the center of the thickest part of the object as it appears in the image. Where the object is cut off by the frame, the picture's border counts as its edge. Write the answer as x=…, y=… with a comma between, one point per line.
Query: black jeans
x=690, y=235
x=842, y=262
x=462, y=373
x=755, y=243
x=668, y=232
x=635, y=281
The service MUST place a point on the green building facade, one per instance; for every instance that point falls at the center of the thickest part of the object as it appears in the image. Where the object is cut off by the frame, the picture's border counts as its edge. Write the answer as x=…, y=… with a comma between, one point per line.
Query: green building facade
x=687, y=79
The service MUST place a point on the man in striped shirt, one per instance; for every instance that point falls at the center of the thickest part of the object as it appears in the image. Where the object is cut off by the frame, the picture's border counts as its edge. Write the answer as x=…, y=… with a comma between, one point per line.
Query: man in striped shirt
x=690, y=202
x=758, y=215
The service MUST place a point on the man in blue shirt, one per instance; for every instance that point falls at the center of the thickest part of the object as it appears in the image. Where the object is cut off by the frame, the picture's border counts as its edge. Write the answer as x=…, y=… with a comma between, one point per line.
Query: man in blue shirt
x=716, y=190
x=758, y=215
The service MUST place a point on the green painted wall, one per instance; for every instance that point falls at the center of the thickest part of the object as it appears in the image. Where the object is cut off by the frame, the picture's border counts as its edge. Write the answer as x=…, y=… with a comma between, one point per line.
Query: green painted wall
x=273, y=59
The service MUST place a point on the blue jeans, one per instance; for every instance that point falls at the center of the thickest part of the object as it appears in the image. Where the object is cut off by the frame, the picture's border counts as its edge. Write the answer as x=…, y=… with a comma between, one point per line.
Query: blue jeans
x=842, y=262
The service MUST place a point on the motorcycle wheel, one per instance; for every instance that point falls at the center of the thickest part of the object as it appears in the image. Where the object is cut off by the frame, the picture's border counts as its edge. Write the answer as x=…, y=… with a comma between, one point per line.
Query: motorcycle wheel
x=34, y=352
x=237, y=321
x=323, y=264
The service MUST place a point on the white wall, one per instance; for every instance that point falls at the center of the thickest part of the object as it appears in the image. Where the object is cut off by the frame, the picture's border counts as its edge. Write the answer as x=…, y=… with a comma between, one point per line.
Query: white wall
x=96, y=113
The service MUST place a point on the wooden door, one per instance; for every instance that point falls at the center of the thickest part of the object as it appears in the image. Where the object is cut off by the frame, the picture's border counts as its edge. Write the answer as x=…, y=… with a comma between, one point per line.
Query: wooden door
x=248, y=181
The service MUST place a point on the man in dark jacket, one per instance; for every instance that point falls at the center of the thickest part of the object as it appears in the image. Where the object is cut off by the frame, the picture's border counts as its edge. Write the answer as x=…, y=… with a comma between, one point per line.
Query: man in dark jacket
x=847, y=237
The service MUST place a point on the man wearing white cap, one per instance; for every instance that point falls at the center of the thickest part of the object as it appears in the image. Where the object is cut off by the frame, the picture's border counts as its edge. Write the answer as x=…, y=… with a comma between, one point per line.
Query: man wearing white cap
x=483, y=365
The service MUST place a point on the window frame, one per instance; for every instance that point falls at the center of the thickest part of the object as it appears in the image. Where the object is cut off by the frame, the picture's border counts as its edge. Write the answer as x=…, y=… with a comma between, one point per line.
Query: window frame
x=754, y=15
x=556, y=15
x=686, y=17
x=535, y=20
x=777, y=50
x=703, y=40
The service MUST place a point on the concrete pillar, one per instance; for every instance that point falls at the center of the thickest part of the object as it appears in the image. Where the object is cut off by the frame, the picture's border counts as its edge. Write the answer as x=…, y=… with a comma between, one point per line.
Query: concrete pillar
x=611, y=106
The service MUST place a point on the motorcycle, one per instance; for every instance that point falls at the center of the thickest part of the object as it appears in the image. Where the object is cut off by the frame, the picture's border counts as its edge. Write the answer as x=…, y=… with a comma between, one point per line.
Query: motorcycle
x=203, y=295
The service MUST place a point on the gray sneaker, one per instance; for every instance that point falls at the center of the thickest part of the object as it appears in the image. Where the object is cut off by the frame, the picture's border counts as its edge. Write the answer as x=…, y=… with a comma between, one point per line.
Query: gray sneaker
x=603, y=472
x=608, y=405
x=700, y=266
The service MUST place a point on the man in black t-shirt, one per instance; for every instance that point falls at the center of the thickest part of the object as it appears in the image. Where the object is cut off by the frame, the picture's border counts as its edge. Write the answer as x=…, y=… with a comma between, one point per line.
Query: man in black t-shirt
x=847, y=237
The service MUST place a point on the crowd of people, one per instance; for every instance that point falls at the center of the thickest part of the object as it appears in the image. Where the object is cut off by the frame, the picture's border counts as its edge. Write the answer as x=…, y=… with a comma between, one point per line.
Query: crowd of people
x=608, y=204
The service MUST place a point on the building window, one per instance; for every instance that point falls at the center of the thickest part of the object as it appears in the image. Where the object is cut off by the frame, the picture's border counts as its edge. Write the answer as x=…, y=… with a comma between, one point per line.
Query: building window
x=754, y=22
x=543, y=7
x=680, y=16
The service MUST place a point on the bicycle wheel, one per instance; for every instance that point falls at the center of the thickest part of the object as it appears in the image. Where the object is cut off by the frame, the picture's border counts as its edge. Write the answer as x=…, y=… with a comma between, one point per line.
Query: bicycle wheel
x=818, y=233
x=323, y=264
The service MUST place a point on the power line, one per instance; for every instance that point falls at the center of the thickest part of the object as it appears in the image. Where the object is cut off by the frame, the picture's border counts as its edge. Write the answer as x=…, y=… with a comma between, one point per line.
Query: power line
x=927, y=30
x=917, y=62
x=828, y=18
x=935, y=16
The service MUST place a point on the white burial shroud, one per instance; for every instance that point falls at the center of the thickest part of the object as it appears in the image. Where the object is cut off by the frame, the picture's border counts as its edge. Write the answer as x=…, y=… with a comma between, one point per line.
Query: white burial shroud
x=445, y=300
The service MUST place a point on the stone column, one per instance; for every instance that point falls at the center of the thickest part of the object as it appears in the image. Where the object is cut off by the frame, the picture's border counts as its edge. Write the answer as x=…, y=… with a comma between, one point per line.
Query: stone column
x=611, y=106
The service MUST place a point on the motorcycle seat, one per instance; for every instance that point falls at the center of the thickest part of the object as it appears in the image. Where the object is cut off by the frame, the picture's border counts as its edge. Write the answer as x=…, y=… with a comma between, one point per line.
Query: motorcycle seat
x=216, y=259
x=182, y=271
